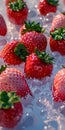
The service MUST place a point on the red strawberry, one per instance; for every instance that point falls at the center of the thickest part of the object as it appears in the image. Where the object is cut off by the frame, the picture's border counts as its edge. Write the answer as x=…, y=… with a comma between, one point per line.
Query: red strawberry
x=64, y=1
x=3, y=27
x=14, y=53
x=38, y=65
x=47, y=6
x=59, y=86
x=13, y=80
x=58, y=21
x=10, y=109
x=57, y=40
x=32, y=37
x=17, y=12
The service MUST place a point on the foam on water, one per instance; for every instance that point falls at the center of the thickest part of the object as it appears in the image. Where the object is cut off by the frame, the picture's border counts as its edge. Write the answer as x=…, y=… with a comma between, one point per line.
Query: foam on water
x=40, y=111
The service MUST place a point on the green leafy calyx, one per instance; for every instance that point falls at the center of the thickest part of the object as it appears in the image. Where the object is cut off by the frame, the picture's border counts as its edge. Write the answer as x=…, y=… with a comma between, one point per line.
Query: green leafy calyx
x=58, y=34
x=32, y=26
x=8, y=99
x=63, y=13
x=53, y=2
x=63, y=66
x=21, y=51
x=17, y=5
x=2, y=68
x=46, y=58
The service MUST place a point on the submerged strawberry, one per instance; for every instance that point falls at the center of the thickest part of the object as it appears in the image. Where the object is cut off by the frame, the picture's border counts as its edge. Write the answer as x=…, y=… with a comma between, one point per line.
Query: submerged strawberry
x=38, y=65
x=32, y=36
x=14, y=53
x=59, y=86
x=47, y=6
x=58, y=21
x=57, y=40
x=17, y=11
x=3, y=27
x=13, y=80
x=10, y=109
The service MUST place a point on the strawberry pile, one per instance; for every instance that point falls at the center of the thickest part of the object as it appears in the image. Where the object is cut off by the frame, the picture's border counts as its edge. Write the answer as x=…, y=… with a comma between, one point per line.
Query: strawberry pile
x=32, y=37
x=13, y=87
x=29, y=49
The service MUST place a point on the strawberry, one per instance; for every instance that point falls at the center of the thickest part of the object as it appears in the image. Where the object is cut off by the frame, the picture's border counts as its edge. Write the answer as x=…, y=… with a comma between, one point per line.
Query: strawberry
x=38, y=65
x=57, y=40
x=3, y=27
x=59, y=86
x=64, y=1
x=14, y=53
x=47, y=6
x=10, y=109
x=13, y=80
x=58, y=21
x=17, y=12
x=32, y=36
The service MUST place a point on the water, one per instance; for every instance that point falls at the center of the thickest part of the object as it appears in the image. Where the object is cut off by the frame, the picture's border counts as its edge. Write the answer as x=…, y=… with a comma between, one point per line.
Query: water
x=40, y=111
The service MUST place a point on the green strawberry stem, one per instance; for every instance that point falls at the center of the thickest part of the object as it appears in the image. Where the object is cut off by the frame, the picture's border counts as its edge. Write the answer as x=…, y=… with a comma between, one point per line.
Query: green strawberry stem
x=19, y=1
x=63, y=66
x=53, y=2
x=17, y=5
x=3, y=67
x=44, y=57
x=63, y=13
x=21, y=51
x=8, y=99
x=58, y=34
x=32, y=26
